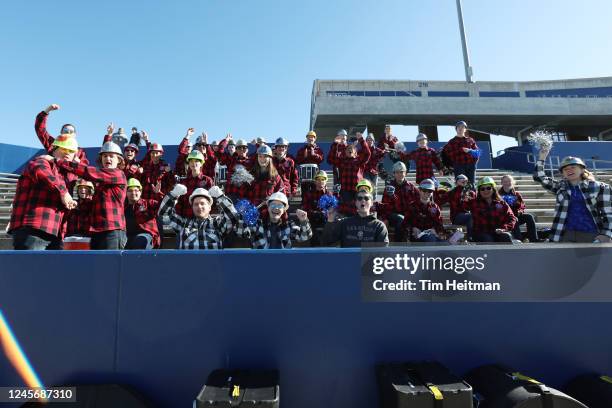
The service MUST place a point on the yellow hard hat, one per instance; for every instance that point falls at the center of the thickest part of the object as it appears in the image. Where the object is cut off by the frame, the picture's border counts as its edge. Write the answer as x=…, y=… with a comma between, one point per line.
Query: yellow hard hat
x=134, y=183
x=321, y=174
x=196, y=155
x=66, y=141
x=312, y=133
x=365, y=184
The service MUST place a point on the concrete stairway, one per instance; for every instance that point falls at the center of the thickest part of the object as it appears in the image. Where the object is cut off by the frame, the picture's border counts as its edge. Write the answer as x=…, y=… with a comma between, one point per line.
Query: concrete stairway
x=8, y=184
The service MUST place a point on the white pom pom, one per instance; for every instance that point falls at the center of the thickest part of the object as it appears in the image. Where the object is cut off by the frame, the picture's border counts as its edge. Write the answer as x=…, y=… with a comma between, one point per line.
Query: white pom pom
x=541, y=140
x=241, y=176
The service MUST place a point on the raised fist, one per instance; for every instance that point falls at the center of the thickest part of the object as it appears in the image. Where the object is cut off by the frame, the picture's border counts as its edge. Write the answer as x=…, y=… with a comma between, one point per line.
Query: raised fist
x=301, y=215
x=215, y=192
x=52, y=107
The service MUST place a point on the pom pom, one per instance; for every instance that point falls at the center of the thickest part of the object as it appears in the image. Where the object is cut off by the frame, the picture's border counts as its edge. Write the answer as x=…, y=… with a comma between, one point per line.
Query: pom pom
x=241, y=176
x=475, y=153
x=541, y=140
x=510, y=199
x=326, y=202
x=400, y=147
x=248, y=211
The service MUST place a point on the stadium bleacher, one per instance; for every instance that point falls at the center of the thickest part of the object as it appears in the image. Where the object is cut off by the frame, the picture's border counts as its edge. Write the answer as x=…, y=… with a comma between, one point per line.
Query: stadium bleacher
x=539, y=202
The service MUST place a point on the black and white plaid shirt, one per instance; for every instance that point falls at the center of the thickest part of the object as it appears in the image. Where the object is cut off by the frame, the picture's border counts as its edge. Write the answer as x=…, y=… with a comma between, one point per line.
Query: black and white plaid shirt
x=597, y=198
x=197, y=233
x=260, y=235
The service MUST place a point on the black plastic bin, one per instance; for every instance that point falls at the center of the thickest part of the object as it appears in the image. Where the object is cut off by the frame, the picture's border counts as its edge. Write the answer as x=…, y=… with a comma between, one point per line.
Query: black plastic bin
x=240, y=388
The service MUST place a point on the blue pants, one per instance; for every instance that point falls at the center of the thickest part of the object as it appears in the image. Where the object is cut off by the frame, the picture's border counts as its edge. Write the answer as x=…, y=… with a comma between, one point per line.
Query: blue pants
x=429, y=238
x=464, y=219
x=468, y=170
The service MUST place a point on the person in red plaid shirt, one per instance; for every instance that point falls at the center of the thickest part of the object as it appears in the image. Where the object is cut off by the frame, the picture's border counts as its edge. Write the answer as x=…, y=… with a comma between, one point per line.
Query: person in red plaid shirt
x=462, y=152
x=516, y=203
x=388, y=141
x=107, y=218
x=425, y=158
x=78, y=220
x=351, y=166
x=398, y=195
x=457, y=198
x=337, y=150
x=267, y=179
x=41, y=200
x=194, y=179
x=310, y=153
x=40, y=126
x=155, y=170
x=285, y=167
x=201, y=145
x=241, y=157
x=310, y=204
x=423, y=219
x=184, y=148
x=492, y=216
x=132, y=168
x=140, y=219
x=376, y=156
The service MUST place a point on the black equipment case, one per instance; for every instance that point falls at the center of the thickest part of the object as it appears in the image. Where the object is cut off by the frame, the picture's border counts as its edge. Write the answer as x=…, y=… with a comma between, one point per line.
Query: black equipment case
x=594, y=390
x=240, y=388
x=496, y=386
x=423, y=384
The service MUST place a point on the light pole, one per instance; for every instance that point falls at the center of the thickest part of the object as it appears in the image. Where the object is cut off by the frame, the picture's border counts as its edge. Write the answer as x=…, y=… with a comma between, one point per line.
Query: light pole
x=466, y=54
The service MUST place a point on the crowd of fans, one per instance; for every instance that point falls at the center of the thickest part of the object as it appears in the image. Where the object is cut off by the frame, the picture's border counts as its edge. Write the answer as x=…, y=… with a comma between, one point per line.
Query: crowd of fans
x=218, y=193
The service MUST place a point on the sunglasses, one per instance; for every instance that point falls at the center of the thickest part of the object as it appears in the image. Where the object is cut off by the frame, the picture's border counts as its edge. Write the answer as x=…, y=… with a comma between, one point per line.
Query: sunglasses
x=485, y=188
x=276, y=206
x=425, y=190
x=65, y=151
x=67, y=130
x=363, y=198
x=241, y=148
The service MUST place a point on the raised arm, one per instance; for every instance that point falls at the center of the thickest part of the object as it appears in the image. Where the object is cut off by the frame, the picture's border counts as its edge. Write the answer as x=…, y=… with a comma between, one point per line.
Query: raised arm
x=540, y=176
x=40, y=126
x=104, y=176
x=177, y=223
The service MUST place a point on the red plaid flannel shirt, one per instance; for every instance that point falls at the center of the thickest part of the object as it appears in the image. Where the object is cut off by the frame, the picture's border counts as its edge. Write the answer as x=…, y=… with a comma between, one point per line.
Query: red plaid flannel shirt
x=259, y=190
x=518, y=207
x=454, y=150
x=37, y=203
x=79, y=219
x=423, y=216
x=309, y=155
x=180, y=165
x=210, y=162
x=40, y=125
x=287, y=170
x=145, y=212
x=387, y=140
x=398, y=202
x=425, y=158
x=132, y=167
x=454, y=199
x=153, y=173
x=183, y=208
x=107, y=212
x=488, y=217
x=376, y=156
x=351, y=170
x=310, y=204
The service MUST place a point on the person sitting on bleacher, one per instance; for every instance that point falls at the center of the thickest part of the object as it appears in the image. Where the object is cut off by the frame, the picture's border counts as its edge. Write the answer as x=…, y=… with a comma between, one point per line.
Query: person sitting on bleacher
x=310, y=199
x=351, y=166
x=155, y=170
x=107, y=227
x=456, y=198
x=140, y=219
x=41, y=200
x=355, y=231
x=40, y=125
x=310, y=153
x=493, y=219
x=423, y=218
x=584, y=207
x=516, y=203
x=231, y=161
x=195, y=179
x=398, y=194
x=425, y=158
x=266, y=179
x=274, y=230
x=78, y=219
x=460, y=152
x=202, y=231
x=377, y=155
x=285, y=166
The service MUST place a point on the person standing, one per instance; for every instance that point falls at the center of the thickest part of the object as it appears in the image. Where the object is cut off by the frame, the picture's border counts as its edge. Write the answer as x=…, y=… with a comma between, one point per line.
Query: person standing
x=462, y=152
x=425, y=158
x=309, y=153
x=40, y=126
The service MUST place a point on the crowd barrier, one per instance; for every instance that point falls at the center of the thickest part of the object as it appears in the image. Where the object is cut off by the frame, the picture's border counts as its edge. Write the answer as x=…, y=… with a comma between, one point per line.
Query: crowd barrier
x=162, y=321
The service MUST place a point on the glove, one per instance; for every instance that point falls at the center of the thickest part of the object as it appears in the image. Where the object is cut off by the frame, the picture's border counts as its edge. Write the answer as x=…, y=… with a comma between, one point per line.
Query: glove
x=178, y=190
x=215, y=192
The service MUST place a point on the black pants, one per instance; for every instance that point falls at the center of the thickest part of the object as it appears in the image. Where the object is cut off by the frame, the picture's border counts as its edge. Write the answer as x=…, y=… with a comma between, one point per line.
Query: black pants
x=396, y=220
x=486, y=237
x=27, y=238
x=143, y=240
x=108, y=240
x=469, y=170
x=532, y=232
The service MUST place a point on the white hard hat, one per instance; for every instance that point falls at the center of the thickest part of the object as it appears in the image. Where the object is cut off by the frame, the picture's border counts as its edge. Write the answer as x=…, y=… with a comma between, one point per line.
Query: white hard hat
x=200, y=192
x=278, y=196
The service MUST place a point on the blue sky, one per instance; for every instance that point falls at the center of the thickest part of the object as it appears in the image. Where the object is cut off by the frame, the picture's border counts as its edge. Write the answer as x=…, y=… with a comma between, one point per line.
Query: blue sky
x=247, y=67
